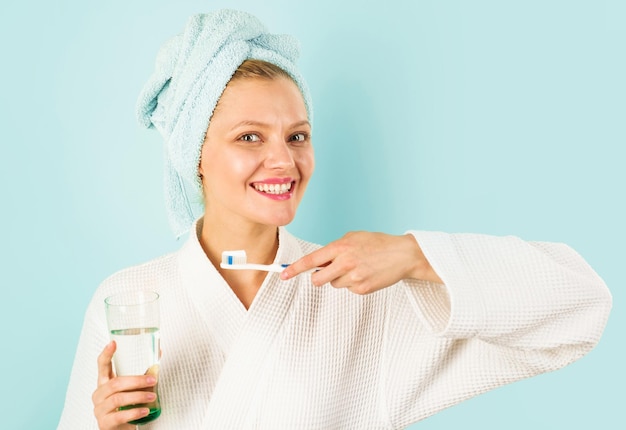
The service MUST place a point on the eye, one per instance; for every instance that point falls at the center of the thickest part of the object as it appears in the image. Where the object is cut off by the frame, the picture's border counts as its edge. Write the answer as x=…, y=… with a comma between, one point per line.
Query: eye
x=250, y=137
x=299, y=137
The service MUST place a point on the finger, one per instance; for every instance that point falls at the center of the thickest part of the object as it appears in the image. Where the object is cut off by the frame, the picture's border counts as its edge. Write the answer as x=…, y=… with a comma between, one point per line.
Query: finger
x=121, y=384
x=123, y=399
x=105, y=367
x=118, y=420
x=334, y=274
x=319, y=258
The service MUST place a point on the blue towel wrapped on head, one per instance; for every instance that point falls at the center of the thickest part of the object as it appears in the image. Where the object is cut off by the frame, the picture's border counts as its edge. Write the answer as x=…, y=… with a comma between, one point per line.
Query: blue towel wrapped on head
x=192, y=70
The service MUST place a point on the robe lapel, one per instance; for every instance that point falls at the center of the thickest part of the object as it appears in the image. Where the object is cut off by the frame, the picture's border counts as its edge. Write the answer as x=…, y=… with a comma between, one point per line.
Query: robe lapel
x=235, y=390
x=219, y=307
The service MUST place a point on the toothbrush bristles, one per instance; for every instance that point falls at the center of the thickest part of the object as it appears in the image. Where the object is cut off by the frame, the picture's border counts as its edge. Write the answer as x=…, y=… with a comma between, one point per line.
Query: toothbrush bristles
x=234, y=257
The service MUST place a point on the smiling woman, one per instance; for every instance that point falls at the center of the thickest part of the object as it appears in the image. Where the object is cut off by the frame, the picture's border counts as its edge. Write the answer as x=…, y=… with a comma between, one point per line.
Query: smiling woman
x=257, y=157
x=370, y=331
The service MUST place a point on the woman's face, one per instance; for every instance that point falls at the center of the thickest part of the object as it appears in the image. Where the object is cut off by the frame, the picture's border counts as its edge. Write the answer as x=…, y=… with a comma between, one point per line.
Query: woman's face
x=257, y=157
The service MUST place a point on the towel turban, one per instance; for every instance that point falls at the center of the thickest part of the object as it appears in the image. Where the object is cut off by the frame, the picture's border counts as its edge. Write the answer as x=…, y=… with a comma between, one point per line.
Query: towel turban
x=192, y=70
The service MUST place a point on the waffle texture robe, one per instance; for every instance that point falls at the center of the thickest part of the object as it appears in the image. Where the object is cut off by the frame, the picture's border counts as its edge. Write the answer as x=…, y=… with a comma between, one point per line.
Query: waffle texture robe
x=306, y=357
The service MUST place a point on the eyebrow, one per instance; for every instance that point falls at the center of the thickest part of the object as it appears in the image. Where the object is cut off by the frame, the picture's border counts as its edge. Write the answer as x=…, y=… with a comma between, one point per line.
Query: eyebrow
x=262, y=124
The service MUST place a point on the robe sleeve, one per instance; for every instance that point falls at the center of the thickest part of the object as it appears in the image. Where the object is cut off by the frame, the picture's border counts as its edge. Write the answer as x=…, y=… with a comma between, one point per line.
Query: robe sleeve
x=507, y=310
x=78, y=408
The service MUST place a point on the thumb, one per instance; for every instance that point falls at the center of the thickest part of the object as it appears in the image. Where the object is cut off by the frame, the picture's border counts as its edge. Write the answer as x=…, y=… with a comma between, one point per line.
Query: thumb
x=105, y=365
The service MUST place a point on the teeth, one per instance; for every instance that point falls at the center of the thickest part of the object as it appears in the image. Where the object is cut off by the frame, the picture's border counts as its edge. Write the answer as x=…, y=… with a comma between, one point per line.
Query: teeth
x=273, y=188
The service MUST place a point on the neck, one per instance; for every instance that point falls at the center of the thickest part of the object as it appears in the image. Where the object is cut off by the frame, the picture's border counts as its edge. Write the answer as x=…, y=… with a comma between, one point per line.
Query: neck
x=260, y=243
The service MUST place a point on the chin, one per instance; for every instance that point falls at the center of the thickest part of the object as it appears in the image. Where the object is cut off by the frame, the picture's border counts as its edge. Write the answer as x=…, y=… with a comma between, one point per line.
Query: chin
x=283, y=223
x=274, y=216
x=280, y=221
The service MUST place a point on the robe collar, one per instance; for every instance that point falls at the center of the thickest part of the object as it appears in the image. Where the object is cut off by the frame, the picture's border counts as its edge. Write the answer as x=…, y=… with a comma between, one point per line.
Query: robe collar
x=215, y=300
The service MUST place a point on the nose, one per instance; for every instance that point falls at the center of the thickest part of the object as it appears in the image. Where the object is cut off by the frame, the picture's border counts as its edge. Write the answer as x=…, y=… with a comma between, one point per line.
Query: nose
x=278, y=156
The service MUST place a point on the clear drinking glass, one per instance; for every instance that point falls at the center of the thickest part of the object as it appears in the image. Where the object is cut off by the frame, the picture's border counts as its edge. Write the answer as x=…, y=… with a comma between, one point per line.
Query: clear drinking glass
x=133, y=321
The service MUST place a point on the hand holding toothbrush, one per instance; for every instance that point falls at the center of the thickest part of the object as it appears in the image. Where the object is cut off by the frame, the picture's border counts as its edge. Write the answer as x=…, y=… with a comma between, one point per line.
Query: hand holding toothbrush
x=365, y=262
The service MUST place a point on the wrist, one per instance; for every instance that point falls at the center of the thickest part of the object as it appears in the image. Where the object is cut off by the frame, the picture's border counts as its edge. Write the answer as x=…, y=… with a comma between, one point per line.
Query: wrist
x=421, y=268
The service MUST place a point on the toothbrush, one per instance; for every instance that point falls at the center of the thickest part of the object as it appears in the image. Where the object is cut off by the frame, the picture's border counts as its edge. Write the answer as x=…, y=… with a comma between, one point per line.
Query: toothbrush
x=237, y=260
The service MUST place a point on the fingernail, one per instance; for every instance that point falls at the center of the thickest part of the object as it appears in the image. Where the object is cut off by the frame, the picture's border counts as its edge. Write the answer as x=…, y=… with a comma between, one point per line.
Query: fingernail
x=151, y=397
x=151, y=380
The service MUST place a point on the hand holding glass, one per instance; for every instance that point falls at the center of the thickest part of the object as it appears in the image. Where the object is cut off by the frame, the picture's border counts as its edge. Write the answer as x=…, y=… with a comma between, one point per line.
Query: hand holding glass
x=133, y=320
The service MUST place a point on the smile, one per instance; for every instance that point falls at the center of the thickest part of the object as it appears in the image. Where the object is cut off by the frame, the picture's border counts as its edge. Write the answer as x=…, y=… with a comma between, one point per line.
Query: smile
x=276, y=189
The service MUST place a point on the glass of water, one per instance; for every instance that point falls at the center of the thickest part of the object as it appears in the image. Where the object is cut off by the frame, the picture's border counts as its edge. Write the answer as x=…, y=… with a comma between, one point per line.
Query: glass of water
x=133, y=321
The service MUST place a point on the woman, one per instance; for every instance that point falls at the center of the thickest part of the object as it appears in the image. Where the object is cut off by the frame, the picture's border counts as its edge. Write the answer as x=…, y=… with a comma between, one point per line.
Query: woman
x=386, y=331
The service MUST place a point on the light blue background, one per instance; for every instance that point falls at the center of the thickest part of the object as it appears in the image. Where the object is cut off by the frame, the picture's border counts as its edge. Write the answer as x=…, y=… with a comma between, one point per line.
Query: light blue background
x=498, y=117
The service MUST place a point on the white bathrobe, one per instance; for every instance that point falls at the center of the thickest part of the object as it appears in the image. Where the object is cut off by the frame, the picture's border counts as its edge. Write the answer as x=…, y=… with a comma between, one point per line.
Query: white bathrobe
x=306, y=357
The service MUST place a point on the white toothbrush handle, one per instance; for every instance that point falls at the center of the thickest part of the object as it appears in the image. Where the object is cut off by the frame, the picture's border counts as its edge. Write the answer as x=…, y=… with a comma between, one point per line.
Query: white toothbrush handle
x=250, y=266
x=266, y=267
